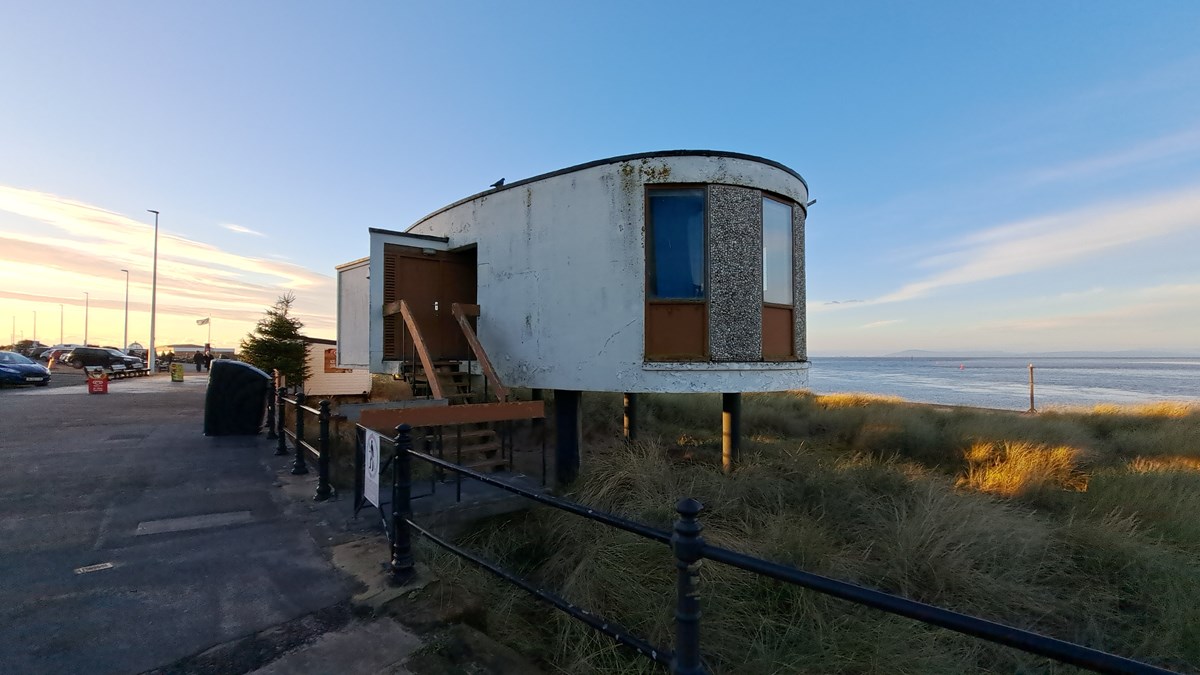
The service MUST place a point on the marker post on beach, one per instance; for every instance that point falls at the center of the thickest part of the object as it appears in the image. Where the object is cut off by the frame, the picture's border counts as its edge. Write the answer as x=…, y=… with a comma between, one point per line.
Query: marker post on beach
x=1031, y=408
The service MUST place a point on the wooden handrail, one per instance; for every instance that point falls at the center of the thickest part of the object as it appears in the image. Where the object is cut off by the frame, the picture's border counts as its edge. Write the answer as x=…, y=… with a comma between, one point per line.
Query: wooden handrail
x=460, y=312
x=435, y=386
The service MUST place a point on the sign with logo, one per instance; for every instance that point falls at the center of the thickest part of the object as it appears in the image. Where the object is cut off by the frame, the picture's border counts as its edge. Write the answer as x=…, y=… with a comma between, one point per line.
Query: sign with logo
x=371, y=468
x=97, y=380
x=177, y=372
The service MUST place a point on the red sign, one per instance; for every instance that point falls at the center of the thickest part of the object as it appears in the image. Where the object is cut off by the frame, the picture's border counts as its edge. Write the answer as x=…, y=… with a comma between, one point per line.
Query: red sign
x=97, y=380
x=331, y=362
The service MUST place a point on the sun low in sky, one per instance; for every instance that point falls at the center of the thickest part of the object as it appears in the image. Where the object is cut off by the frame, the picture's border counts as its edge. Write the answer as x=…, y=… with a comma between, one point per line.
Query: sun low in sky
x=1018, y=176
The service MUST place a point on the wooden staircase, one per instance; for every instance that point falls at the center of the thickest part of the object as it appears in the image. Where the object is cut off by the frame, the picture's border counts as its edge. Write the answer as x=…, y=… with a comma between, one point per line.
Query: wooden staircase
x=467, y=434
x=455, y=384
x=476, y=447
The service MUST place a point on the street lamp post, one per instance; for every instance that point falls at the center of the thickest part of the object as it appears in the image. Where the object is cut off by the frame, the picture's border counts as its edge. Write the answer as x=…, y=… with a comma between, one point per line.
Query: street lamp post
x=86, y=302
x=60, y=323
x=125, y=340
x=154, y=296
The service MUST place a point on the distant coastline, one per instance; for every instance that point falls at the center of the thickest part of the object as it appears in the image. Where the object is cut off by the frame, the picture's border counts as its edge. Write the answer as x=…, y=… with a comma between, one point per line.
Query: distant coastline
x=968, y=354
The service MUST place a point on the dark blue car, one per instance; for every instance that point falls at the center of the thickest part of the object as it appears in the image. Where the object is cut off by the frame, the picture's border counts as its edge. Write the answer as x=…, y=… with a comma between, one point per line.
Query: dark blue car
x=17, y=369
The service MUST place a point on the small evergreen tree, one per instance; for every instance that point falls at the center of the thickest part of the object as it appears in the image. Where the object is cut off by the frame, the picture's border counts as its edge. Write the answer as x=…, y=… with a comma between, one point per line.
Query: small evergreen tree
x=277, y=343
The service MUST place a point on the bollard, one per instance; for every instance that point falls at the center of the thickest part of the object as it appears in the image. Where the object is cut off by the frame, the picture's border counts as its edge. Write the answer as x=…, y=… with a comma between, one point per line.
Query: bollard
x=1032, y=409
x=686, y=543
x=299, y=468
x=271, y=417
x=323, y=489
x=281, y=446
x=402, y=568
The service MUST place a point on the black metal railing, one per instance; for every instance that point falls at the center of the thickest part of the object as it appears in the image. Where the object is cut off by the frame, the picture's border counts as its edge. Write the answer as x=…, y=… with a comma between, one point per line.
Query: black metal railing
x=301, y=445
x=690, y=550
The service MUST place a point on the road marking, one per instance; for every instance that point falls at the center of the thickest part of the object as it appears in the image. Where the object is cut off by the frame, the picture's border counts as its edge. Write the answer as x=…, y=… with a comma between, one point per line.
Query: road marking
x=193, y=522
x=94, y=568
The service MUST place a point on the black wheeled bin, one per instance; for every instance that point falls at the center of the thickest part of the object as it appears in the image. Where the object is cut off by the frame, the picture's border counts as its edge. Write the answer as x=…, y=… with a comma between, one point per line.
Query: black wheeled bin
x=236, y=402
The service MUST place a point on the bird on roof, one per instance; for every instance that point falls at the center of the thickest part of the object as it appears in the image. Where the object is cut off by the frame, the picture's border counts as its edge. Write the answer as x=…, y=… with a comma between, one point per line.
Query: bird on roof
x=499, y=183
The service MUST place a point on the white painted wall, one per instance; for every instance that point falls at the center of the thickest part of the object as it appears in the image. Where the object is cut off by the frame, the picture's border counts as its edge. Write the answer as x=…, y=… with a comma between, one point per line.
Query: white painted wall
x=561, y=277
x=353, y=312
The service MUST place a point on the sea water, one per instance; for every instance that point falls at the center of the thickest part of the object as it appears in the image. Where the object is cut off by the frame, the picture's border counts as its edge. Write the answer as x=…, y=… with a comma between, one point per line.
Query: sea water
x=1004, y=382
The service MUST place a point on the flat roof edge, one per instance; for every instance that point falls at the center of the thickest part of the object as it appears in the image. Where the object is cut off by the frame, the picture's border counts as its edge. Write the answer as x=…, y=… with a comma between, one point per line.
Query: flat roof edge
x=352, y=263
x=602, y=162
x=429, y=237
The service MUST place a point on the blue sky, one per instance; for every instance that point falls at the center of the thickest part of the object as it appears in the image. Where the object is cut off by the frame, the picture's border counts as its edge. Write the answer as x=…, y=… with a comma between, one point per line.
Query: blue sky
x=1017, y=176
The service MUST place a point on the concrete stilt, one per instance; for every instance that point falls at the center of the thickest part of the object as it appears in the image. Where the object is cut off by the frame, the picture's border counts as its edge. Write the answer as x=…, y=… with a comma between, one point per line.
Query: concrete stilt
x=630, y=422
x=731, y=430
x=568, y=423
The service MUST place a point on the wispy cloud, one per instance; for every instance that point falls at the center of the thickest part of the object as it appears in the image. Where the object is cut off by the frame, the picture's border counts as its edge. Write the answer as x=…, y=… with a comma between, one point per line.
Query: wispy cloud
x=1137, y=305
x=242, y=230
x=1182, y=144
x=881, y=324
x=192, y=275
x=1051, y=241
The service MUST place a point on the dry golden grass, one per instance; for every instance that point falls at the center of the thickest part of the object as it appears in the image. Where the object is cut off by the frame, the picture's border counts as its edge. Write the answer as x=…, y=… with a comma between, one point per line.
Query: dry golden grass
x=1081, y=525
x=854, y=400
x=1021, y=469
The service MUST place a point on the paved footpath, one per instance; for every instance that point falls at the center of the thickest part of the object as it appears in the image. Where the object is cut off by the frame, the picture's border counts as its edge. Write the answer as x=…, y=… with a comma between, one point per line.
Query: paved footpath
x=129, y=541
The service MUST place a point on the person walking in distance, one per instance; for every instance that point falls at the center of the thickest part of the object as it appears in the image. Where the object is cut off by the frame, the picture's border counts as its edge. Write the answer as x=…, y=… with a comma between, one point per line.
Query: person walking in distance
x=208, y=359
x=198, y=358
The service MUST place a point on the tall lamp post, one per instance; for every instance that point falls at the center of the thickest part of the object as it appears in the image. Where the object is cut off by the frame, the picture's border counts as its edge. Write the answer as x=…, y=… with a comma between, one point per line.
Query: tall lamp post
x=154, y=296
x=86, y=301
x=60, y=323
x=125, y=340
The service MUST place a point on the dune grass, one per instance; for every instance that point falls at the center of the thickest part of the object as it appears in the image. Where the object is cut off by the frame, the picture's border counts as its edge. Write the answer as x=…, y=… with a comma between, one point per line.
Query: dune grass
x=1082, y=524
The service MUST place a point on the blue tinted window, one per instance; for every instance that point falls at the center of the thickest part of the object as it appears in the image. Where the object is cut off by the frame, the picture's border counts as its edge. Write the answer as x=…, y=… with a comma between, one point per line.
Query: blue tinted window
x=677, y=244
x=777, y=252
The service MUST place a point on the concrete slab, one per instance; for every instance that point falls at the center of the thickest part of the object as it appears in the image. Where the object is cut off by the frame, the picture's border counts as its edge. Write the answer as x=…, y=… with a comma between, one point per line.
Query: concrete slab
x=365, y=560
x=361, y=647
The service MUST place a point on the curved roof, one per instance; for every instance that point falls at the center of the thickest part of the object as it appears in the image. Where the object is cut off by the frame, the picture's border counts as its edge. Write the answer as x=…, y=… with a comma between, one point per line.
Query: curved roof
x=616, y=160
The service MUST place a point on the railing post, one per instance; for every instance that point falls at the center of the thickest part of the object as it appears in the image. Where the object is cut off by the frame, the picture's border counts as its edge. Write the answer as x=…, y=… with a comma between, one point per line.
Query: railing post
x=360, y=481
x=686, y=543
x=323, y=489
x=281, y=446
x=402, y=569
x=298, y=466
x=271, y=435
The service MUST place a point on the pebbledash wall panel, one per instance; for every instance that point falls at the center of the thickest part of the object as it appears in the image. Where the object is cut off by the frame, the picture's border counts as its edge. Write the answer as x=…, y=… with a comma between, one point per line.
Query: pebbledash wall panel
x=562, y=274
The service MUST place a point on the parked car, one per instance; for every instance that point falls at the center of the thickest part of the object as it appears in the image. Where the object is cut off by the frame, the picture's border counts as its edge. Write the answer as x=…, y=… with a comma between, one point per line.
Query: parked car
x=18, y=369
x=111, y=359
x=57, y=354
x=57, y=351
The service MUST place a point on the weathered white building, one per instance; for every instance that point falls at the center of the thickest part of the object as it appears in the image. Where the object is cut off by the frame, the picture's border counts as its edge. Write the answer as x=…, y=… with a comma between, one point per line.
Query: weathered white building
x=326, y=378
x=679, y=271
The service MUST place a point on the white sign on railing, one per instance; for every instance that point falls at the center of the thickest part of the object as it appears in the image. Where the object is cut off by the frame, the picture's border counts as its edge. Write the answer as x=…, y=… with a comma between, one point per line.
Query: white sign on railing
x=371, y=468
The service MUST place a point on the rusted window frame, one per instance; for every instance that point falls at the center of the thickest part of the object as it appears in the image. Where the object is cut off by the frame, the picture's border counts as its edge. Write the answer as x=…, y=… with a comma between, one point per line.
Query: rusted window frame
x=650, y=301
x=791, y=276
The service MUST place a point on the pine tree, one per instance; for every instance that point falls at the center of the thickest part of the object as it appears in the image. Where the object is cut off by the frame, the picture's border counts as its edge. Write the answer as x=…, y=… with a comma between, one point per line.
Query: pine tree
x=277, y=343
